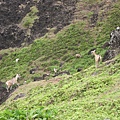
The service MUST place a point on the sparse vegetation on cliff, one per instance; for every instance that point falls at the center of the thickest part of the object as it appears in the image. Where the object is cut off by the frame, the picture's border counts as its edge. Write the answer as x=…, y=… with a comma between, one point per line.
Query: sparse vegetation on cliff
x=29, y=19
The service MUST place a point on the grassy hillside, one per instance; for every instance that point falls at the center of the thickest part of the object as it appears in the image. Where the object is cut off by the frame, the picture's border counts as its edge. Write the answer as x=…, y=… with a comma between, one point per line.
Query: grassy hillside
x=92, y=94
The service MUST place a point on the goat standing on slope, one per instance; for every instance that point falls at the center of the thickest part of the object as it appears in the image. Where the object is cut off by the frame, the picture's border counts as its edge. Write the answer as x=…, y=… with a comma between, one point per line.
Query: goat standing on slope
x=98, y=58
x=11, y=82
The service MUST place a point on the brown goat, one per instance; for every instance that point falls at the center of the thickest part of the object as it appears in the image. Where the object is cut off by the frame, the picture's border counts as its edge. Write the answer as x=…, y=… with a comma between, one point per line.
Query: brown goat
x=98, y=58
x=11, y=82
x=78, y=55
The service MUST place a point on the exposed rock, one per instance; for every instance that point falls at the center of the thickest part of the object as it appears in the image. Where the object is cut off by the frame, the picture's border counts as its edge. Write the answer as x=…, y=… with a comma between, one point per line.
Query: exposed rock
x=2, y=55
x=79, y=69
x=11, y=13
x=52, y=14
x=19, y=96
x=108, y=62
x=41, y=78
x=114, y=45
x=61, y=73
x=106, y=44
x=115, y=39
x=32, y=71
x=109, y=54
x=3, y=93
x=13, y=36
x=94, y=19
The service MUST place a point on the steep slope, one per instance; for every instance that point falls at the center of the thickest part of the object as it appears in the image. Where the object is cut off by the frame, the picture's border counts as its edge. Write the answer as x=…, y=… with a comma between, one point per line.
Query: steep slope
x=87, y=95
x=91, y=94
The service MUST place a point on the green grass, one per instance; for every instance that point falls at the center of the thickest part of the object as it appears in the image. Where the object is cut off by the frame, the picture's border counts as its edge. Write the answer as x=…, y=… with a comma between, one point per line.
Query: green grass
x=92, y=94
x=50, y=52
x=83, y=95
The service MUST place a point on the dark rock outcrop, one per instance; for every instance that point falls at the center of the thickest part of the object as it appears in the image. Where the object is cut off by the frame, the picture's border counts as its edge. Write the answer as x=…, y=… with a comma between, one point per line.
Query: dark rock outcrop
x=61, y=73
x=19, y=96
x=32, y=71
x=114, y=45
x=94, y=19
x=115, y=39
x=51, y=14
x=41, y=78
x=13, y=36
x=11, y=11
x=3, y=93
x=79, y=69
x=2, y=55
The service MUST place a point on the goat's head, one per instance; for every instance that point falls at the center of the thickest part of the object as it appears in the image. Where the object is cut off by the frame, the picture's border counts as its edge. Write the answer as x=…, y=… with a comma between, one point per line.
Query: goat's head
x=17, y=60
x=93, y=52
x=118, y=28
x=18, y=76
x=55, y=70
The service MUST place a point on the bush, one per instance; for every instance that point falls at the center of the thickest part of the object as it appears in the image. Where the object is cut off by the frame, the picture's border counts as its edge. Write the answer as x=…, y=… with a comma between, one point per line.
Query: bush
x=18, y=114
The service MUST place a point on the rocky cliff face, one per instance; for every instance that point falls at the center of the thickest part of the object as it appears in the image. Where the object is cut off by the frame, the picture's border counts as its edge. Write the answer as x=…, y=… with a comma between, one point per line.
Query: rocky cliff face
x=50, y=14
x=114, y=45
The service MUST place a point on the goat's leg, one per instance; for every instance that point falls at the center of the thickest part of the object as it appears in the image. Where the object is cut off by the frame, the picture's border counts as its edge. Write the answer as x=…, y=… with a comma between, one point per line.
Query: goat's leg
x=7, y=89
x=11, y=87
x=96, y=64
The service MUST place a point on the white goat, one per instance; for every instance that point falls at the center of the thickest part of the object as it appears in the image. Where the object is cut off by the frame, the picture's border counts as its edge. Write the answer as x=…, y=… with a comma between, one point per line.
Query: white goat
x=17, y=60
x=55, y=70
x=118, y=28
x=11, y=82
x=98, y=58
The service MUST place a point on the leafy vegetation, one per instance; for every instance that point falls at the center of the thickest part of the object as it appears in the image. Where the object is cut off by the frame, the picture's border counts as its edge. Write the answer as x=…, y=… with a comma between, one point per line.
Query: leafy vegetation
x=92, y=94
x=33, y=114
